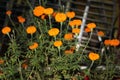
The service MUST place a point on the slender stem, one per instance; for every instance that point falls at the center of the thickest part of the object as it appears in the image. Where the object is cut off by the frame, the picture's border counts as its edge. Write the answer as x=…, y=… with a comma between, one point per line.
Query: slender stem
x=30, y=73
x=59, y=51
x=68, y=24
x=11, y=21
x=61, y=23
x=88, y=41
x=90, y=66
x=50, y=21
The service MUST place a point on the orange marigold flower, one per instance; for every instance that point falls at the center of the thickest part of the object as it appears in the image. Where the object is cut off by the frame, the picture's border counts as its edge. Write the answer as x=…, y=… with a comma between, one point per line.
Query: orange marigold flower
x=72, y=24
x=76, y=30
x=21, y=19
x=107, y=42
x=53, y=31
x=48, y=11
x=70, y=14
x=87, y=30
x=43, y=17
x=68, y=52
x=114, y=42
x=68, y=36
x=38, y=11
x=91, y=25
x=2, y=61
x=60, y=17
x=93, y=56
x=58, y=43
x=24, y=65
x=6, y=30
x=31, y=29
x=33, y=46
x=100, y=33
x=77, y=22
x=9, y=12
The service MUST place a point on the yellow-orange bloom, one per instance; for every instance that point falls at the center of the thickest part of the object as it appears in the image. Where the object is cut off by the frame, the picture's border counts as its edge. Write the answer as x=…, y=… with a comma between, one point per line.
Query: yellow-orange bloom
x=38, y=11
x=107, y=42
x=6, y=30
x=72, y=24
x=48, y=11
x=77, y=22
x=87, y=30
x=9, y=12
x=93, y=56
x=60, y=17
x=70, y=14
x=100, y=33
x=76, y=30
x=33, y=46
x=21, y=19
x=114, y=42
x=31, y=29
x=2, y=61
x=68, y=36
x=91, y=25
x=68, y=52
x=53, y=31
x=58, y=43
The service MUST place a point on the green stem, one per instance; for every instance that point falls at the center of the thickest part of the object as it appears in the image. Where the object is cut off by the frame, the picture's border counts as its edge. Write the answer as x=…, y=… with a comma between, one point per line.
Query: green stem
x=88, y=41
x=61, y=23
x=50, y=21
x=59, y=51
x=90, y=66
x=68, y=24
x=30, y=73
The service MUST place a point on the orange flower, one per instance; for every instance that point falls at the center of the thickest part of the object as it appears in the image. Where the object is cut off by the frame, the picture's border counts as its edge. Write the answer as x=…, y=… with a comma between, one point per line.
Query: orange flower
x=60, y=17
x=53, y=31
x=38, y=11
x=2, y=61
x=58, y=43
x=33, y=46
x=21, y=19
x=24, y=65
x=93, y=56
x=48, y=11
x=77, y=22
x=100, y=33
x=70, y=14
x=68, y=52
x=6, y=30
x=114, y=42
x=72, y=24
x=31, y=29
x=107, y=42
x=76, y=30
x=68, y=36
x=43, y=17
x=9, y=12
x=91, y=25
x=87, y=30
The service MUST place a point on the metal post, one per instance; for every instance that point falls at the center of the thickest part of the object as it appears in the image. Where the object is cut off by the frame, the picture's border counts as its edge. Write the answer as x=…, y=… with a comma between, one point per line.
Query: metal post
x=84, y=21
